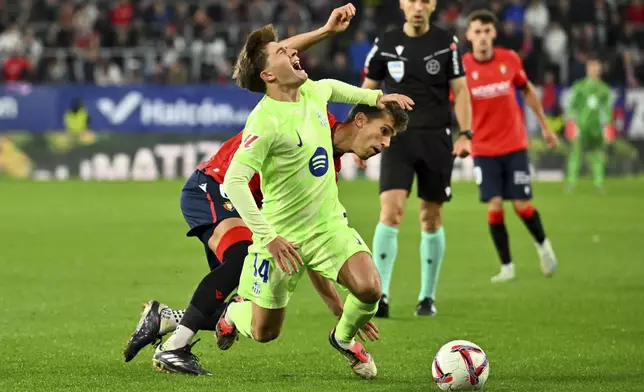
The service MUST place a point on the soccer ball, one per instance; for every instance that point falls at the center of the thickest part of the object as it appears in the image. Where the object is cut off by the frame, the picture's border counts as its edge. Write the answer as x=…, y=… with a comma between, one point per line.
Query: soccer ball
x=460, y=366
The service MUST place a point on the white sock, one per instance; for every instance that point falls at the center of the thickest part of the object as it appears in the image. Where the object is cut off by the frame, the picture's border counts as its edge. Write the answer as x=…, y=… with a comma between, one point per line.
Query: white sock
x=181, y=337
x=170, y=320
x=343, y=343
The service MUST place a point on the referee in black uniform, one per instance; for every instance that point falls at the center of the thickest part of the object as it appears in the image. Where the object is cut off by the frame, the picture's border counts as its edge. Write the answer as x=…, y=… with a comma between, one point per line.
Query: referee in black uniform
x=422, y=62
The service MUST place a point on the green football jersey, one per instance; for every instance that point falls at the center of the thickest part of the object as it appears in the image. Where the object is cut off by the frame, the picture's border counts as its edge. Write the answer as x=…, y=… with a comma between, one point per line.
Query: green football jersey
x=590, y=106
x=290, y=146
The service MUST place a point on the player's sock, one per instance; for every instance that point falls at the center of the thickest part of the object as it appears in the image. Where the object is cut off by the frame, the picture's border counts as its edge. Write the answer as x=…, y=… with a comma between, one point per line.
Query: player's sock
x=597, y=168
x=532, y=220
x=385, y=246
x=240, y=315
x=170, y=320
x=355, y=315
x=432, y=250
x=215, y=287
x=499, y=235
x=181, y=337
x=574, y=163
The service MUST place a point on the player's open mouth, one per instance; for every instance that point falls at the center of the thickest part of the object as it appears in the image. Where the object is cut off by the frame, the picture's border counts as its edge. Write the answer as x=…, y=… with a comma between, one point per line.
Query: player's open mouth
x=376, y=151
x=297, y=66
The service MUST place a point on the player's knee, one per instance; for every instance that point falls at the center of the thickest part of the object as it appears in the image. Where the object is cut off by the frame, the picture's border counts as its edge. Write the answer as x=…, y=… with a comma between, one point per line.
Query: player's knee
x=392, y=207
x=391, y=216
x=265, y=334
x=495, y=204
x=370, y=290
x=370, y=294
x=521, y=205
x=430, y=219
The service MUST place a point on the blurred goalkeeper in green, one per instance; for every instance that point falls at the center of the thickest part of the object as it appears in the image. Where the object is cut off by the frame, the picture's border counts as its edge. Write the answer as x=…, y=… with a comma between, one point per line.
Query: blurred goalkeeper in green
x=588, y=127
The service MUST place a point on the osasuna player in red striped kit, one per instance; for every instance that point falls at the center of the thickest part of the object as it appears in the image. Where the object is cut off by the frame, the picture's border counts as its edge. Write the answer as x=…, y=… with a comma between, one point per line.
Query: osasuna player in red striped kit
x=500, y=142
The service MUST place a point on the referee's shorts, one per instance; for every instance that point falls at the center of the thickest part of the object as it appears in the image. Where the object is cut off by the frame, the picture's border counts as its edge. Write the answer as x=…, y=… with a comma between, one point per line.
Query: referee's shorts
x=426, y=153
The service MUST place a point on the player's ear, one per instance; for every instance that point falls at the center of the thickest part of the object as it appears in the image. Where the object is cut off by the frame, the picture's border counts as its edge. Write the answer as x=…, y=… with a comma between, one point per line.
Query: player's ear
x=267, y=76
x=468, y=33
x=360, y=120
x=493, y=32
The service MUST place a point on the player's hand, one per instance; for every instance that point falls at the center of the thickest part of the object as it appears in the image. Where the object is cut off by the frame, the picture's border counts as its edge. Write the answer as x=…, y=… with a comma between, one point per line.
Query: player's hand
x=361, y=163
x=550, y=138
x=340, y=18
x=404, y=101
x=285, y=254
x=370, y=331
x=462, y=147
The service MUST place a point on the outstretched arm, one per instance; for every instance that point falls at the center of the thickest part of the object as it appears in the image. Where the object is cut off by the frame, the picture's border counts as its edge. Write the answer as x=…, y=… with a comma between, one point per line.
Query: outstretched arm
x=337, y=91
x=337, y=23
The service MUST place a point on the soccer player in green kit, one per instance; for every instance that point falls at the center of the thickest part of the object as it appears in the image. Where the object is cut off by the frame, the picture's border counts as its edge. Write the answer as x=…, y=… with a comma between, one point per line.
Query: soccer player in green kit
x=302, y=223
x=589, y=112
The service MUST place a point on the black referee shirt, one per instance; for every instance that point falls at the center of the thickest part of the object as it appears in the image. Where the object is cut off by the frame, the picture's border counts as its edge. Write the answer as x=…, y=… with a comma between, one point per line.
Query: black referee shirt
x=421, y=68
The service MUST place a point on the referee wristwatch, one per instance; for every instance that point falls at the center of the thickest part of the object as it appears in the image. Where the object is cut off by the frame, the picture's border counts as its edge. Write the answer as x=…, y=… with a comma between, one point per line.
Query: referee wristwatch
x=467, y=133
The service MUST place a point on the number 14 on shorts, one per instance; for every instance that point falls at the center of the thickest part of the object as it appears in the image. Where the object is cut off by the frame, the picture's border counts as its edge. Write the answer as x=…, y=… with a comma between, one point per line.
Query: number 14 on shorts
x=262, y=269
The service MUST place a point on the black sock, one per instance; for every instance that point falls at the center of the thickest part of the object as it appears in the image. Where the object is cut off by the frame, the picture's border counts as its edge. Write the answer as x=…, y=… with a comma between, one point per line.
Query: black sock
x=501, y=241
x=213, y=289
x=532, y=220
x=495, y=220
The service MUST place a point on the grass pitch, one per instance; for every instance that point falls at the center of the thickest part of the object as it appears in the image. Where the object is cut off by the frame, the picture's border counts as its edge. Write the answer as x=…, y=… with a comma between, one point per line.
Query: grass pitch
x=78, y=259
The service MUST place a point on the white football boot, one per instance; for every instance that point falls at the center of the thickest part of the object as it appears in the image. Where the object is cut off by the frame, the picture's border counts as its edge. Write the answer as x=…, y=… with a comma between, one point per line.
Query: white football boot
x=547, y=258
x=507, y=273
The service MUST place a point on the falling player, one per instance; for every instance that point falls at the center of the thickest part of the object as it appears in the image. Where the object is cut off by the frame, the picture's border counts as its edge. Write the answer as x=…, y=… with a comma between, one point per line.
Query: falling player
x=214, y=220
x=227, y=238
x=302, y=223
x=500, y=141
x=423, y=63
x=589, y=114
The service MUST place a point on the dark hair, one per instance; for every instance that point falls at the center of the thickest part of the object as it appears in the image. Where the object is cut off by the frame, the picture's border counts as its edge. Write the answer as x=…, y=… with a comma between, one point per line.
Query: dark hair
x=395, y=111
x=593, y=57
x=252, y=59
x=483, y=16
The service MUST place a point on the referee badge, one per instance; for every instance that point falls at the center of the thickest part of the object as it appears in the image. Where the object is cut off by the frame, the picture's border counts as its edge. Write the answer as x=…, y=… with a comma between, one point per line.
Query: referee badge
x=396, y=70
x=433, y=67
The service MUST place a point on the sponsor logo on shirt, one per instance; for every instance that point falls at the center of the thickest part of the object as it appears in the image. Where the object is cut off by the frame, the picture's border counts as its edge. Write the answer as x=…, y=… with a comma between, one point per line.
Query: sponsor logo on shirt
x=319, y=162
x=491, y=90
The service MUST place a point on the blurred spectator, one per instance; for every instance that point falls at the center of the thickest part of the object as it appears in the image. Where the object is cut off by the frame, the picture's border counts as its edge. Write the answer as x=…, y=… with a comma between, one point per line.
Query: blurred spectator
x=449, y=15
x=635, y=12
x=122, y=13
x=260, y=12
x=10, y=39
x=212, y=51
x=514, y=13
x=177, y=74
x=537, y=17
x=358, y=51
x=16, y=67
x=107, y=73
x=507, y=37
x=33, y=47
x=158, y=15
x=556, y=47
x=172, y=46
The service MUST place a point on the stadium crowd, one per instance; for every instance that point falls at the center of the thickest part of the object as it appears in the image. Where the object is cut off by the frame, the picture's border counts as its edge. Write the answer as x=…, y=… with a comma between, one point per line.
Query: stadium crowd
x=175, y=42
